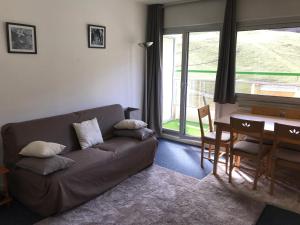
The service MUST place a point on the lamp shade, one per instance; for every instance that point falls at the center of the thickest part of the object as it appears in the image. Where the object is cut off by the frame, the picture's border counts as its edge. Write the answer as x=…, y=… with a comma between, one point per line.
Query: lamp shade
x=146, y=44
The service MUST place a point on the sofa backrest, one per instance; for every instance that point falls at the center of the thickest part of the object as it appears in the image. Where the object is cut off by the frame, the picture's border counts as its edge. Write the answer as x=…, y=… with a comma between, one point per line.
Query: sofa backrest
x=56, y=129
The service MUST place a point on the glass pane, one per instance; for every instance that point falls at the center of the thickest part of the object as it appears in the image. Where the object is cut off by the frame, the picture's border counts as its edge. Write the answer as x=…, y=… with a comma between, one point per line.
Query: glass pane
x=202, y=67
x=172, y=54
x=268, y=62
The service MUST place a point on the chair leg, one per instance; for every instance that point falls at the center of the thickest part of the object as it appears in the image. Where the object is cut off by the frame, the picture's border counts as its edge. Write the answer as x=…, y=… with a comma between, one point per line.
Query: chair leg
x=227, y=157
x=202, y=154
x=231, y=166
x=257, y=172
x=238, y=161
x=209, y=151
x=273, y=165
x=269, y=165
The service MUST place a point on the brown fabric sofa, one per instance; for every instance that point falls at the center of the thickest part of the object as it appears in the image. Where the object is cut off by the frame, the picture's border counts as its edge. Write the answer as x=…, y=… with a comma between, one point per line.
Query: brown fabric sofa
x=95, y=170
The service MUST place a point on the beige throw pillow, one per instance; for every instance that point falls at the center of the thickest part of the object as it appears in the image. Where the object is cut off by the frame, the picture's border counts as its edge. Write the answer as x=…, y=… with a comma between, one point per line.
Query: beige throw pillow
x=88, y=133
x=130, y=124
x=42, y=149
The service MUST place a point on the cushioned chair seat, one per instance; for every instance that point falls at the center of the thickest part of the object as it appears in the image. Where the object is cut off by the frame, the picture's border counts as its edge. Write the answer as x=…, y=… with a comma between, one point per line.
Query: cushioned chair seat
x=212, y=136
x=254, y=140
x=249, y=147
x=290, y=146
x=288, y=155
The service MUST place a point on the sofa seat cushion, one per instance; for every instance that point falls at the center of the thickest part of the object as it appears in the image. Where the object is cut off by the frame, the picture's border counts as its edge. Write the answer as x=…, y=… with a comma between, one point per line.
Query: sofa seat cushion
x=124, y=146
x=85, y=179
x=88, y=158
x=93, y=172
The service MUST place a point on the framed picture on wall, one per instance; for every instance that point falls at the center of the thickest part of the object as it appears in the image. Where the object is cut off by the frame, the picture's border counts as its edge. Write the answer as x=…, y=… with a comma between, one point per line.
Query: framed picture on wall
x=96, y=36
x=21, y=38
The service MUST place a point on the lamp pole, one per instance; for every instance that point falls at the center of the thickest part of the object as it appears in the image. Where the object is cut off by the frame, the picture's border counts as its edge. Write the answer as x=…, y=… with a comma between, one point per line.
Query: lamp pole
x=146, y=45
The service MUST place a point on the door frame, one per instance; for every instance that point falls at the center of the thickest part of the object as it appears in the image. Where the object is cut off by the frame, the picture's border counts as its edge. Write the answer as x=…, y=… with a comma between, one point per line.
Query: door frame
x=185, y=32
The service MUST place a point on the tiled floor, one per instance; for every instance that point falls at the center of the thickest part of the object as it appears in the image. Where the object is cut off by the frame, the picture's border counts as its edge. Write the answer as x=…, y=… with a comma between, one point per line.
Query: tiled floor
x=181, y=158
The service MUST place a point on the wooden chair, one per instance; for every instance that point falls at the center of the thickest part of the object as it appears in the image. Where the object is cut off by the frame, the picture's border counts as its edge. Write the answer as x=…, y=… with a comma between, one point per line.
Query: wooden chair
x=210, y=137
x=250, y=150
x=280, y=156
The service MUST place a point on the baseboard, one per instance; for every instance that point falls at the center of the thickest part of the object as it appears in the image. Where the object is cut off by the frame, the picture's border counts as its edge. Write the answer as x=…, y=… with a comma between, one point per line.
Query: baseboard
x=181, y=140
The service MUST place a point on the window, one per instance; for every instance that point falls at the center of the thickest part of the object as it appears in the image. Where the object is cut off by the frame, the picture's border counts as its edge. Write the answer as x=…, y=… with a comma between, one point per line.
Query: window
x=268, y=62
x=185, y=91
x=202, y=67
x=172, y=55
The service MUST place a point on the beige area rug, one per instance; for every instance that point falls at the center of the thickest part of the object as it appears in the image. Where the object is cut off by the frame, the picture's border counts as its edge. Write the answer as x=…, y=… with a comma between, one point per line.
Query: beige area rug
x=285, y=192
x=160, y=196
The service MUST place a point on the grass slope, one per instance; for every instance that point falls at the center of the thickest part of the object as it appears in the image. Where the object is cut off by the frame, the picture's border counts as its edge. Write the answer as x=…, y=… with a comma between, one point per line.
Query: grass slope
x=192, y=128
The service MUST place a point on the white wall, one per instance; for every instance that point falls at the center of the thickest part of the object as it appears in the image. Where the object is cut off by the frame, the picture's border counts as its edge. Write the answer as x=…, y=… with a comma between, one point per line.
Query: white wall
x=66, y=75
x=212, y=11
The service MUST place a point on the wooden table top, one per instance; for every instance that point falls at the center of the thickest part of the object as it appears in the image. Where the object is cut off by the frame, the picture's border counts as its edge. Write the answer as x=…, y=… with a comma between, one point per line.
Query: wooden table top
x=269, y=120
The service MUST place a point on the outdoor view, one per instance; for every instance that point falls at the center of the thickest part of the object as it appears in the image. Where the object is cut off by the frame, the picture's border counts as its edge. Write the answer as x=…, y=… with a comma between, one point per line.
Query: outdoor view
x=267, y=63
x=202, y=66
x=172, y=55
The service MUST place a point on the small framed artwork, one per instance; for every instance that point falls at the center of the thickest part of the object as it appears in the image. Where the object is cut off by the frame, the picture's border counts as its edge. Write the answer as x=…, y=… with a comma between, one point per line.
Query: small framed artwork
x=21, y=38
x=96, y=36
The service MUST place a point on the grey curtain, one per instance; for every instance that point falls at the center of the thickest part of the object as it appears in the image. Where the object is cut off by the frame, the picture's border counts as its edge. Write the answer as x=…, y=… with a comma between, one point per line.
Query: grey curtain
x=152, y=101
x=225, y=80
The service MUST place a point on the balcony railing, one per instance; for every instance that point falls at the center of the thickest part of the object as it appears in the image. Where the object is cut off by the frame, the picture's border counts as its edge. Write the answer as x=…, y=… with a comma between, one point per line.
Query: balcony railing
x=248, y=73
x=286, y=85
x=288, y=88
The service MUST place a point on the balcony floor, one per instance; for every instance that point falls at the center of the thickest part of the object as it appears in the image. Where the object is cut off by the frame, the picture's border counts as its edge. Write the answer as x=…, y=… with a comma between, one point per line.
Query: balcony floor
x=192, y=127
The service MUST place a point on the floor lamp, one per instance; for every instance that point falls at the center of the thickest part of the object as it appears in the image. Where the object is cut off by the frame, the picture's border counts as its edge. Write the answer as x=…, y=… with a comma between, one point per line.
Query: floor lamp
x=146, y=45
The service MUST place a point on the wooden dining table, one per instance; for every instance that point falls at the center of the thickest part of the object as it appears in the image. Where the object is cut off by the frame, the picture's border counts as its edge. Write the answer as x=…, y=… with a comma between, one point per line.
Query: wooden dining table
x=223, y=124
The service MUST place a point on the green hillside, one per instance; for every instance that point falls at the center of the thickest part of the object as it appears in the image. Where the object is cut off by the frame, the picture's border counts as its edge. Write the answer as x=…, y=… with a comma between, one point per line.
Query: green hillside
x=277, y=51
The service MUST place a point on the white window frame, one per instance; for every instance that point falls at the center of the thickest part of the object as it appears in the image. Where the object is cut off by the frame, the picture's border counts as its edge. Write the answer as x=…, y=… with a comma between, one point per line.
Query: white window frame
x=249, y=100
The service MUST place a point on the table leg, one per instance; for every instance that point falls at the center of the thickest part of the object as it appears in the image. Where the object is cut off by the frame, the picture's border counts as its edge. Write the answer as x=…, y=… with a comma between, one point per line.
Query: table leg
x=217, y=148
x=5, y=185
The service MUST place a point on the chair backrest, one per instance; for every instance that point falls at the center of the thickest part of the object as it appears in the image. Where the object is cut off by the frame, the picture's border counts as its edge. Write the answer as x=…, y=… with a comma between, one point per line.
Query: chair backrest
x=287, y=134
x=202, y=113
x=247, y=127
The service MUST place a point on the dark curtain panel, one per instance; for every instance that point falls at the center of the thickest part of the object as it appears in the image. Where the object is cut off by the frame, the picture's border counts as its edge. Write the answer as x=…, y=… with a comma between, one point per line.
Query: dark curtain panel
x=225, y=80
x=153, y=103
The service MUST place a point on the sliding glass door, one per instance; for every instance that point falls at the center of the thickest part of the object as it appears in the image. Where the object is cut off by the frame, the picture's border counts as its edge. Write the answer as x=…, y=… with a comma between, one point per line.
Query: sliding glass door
x=189, y=72
x=202, y=67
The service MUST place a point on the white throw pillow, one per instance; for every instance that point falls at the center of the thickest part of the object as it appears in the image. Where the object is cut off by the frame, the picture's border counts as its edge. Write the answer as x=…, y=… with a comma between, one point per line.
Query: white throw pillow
x=130, y=124
x=42, y=149
x=88, y=133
